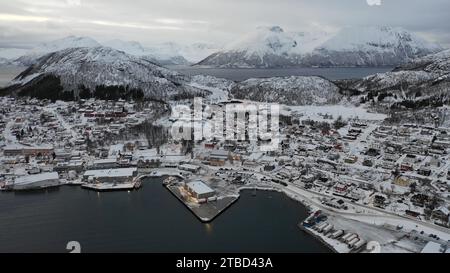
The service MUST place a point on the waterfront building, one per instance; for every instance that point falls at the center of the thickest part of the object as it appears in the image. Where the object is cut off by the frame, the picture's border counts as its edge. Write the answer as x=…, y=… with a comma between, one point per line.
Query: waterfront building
x=199, y=190
x=120, y=175
x=38, y=181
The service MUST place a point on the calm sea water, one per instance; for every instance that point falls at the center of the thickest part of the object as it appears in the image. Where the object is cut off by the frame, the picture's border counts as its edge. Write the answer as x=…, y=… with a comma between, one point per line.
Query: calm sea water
x=148, y=220
x=244, y=74
x=7, y=73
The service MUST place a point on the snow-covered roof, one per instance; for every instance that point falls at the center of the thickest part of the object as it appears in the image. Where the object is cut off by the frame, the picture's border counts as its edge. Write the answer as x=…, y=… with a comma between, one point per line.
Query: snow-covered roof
x=13, y=147
x=219, y=153
x=20, y=147
x=28, y=179
x=105, y=161
x=146, y=153
x=190, y=166
x=444, y=210
x=432, y=247
x=199, y=187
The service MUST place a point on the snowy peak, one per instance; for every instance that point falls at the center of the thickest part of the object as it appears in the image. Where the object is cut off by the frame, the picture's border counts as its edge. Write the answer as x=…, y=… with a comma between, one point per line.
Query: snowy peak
x=161, y=55
x=101, y=72
x=191, y=53
x=67, y=42
x=130, y=47
x=30, y=57
x=168, y=53
x=265, y=40
x=376, y=38
x=352, y=46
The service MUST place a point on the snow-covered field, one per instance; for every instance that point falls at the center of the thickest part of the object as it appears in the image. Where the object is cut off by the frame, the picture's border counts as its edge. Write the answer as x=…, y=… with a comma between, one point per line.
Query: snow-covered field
x=347, y=112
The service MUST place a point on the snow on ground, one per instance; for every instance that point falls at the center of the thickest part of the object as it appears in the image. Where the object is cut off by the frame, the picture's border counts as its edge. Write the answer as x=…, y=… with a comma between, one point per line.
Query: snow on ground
x=317, y=113
x=371, y=222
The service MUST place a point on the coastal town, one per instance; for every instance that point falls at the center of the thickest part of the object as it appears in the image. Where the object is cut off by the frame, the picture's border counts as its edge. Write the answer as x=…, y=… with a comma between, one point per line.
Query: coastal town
x=370, y=185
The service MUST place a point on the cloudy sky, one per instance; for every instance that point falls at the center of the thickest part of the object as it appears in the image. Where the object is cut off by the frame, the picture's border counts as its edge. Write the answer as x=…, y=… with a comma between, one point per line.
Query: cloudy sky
x=26, y=22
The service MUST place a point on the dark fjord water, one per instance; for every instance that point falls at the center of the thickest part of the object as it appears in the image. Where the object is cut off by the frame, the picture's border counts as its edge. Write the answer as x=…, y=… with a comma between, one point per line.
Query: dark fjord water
x=7, y=73
x=148, y=220
x=244, y=74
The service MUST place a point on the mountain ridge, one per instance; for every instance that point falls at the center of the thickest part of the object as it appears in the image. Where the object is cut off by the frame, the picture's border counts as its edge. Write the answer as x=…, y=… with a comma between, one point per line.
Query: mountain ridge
x=271, y=47
x=94, y=72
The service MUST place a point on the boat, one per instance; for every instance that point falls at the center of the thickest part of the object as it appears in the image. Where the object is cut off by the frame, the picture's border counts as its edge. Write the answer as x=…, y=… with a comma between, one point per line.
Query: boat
x=109, y=186
x=137, y=184
x=169, y=180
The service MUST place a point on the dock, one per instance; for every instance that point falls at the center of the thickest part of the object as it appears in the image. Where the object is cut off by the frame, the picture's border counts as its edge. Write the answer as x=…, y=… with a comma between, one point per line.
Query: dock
x=205, y=212
x=109, y=186
x=317, y=237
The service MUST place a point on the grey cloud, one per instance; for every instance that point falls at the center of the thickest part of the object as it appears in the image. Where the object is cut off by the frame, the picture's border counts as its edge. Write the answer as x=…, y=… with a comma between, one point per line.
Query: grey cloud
x=218, y=21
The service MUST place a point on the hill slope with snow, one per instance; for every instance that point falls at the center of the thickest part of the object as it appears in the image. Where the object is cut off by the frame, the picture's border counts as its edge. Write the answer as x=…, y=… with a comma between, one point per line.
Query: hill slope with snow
x=101, y=72
x=294, y=90
x=422, y=82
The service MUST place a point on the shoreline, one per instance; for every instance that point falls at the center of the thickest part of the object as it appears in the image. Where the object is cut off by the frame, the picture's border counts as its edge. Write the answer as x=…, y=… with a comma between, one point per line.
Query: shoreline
x=305, y=204
x=319, y=238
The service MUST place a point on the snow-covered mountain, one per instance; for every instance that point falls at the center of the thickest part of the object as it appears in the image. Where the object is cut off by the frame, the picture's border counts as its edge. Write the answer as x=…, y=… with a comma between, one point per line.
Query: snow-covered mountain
x=370, y=46
x=164, y=53
x=196, y=52
x=436, y=63
x=4, y=61
x=31, y=56
x=156, y=54
x=422, y=82
x=265, y=47
x=168, y=53
x=101, y=72
x=129, y=47
x=11, y=54
x=294, y=90
x=352, y=46
x=191, y=53
x=67, y=42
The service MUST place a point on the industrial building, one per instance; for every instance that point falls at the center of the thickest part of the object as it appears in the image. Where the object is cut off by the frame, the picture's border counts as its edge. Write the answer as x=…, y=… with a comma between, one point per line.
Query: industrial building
x=110, y=175
x=38, y=181
x=218, y=157
x=108, y=163
x=15, y=150
x=199, y=190
x=189, y=168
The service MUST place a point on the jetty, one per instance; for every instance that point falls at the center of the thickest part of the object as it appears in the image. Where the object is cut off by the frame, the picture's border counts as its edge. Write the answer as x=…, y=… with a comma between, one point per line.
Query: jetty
x=207, y=211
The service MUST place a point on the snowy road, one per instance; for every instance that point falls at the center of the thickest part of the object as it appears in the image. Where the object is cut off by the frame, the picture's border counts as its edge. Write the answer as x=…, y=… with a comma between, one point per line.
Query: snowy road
x=377, y=216
x=7, y=134
x=63, y=123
